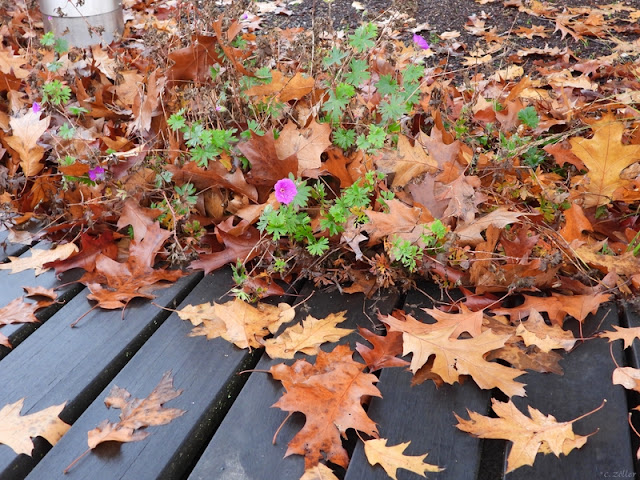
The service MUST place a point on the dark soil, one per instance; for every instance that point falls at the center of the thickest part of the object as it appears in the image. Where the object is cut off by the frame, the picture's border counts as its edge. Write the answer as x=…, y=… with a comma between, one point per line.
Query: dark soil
x=430, y=18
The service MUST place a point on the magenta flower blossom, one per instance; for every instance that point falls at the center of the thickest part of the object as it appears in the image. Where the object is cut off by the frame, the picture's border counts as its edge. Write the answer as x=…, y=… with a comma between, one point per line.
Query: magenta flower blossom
x=96, y=174
x=421, y=41
x=35, y=107
x=286, y=191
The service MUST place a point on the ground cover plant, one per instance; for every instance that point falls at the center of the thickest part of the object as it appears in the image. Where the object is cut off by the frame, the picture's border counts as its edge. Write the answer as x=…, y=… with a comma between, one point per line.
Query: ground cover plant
x=359, y=159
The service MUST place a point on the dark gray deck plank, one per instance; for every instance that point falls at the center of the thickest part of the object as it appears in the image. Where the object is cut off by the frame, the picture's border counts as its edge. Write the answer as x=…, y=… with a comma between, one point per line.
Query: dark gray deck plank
x=424, y=416
x=11, y=287
x=205, y=370
x=59, y=364
x=584, y=385
x=242, y=446
x=9, y=249
x=631, y=318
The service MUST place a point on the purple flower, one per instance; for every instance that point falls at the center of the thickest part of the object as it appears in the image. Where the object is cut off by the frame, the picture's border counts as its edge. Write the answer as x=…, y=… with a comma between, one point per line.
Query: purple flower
x=421, y=41
x=35, y=107
x=96, y=174
x=286, y=191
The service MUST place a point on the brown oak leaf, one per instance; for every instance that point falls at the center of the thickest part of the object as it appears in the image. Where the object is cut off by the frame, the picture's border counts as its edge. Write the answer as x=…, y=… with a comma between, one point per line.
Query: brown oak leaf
x=385, y=351
x=530, y=435
x=16, y=431
x=330, y=395
x=136, y=413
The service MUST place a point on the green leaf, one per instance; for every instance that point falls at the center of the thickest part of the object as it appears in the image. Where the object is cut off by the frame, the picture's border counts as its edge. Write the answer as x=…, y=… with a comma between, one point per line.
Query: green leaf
x=358, y=73
x=529, y=117
x=344, y=138
x=319, y=246
x=393, y=109
x=362, y=38
x=387, y=85
x=335, y=57
x=66, y=131
x=412, y=73
x=177, y=121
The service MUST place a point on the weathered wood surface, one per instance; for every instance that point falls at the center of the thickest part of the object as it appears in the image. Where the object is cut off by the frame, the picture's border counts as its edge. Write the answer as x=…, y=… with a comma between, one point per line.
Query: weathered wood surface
x=242, y=447
x=228, y=427
x=423, y=415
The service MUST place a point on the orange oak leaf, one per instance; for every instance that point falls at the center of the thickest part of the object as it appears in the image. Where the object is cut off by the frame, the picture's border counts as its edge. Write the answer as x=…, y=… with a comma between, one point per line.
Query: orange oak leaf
x=266, y=167
x=86, y=257
x=26, y=131
x=605, y=156
x=136, y=413
x=193, y=62
x=39, y=258
x=406, y=161
x=306, y=337
x=401, y=219
x=557, y=307
x=626, y=264
x=17, y=311
x=391, y=458
x=530, y=435
x=284, y=88
x=385, y=351
x=307, y=144
x=455, y=357
x=628, y=377
x=465, y=320
x=330, y=395
x=575, y=224
x=237, y=321
x=16, y=431
x=319, y=472
x=114, y=284
x=622, y=333
x=536, y=332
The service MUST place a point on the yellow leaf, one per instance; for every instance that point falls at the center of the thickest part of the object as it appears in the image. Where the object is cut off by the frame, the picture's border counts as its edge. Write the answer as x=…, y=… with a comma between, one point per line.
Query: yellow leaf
x=307, y=143
x=605, y=157
x=16, y=431
x=319, y=472
x=536, y=332
x=307, y=337
x=236, y=321
x=455, y=357
x=27, y=130
x=393, y=458
x=530, y=435
x=38, y=258
x=407, y=162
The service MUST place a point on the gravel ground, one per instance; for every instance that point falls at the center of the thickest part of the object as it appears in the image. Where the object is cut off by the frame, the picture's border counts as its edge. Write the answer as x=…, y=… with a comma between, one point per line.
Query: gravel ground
x=431, y=18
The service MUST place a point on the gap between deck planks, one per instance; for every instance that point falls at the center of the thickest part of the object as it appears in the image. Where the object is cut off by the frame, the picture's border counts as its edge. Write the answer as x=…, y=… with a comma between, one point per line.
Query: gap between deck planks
x=420, y=414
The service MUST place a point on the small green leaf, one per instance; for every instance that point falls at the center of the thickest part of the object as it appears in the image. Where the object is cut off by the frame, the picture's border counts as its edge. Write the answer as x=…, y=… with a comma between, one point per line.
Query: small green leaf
x=529, y=117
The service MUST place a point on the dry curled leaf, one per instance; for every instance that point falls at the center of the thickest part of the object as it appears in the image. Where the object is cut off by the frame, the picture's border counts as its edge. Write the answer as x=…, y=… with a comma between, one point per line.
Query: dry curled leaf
x=38, y=258
x=530, y=435
x=136, y=413
x=17, y=430
x=391, y=458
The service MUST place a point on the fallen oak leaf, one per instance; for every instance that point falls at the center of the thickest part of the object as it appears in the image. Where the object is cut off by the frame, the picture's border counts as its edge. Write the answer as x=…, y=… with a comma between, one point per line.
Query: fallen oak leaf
x=455, y=357
x=530, y=435
x=135, y=414
x=17, y=430
x=628, y=377
x=536, y=332
x=330, y=395
x=38, y=258
x=306, y=337
x=17, y=311
x=237, y=321
x=391, y=458
x=385, y=351
x=471, y=233
x=622, y=333
x=27, y=130
x=319, y=472
x=306, y=143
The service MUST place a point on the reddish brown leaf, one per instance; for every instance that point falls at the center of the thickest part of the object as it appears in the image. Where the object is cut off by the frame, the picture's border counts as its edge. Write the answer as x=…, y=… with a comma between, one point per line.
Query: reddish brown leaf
x=266, y=167
x=330, y=395
x=243, y=247
x=136, y=413
x=385, y=351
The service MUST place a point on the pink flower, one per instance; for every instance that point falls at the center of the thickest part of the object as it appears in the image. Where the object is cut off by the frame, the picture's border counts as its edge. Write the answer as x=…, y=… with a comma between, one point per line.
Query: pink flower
x=96, y=173
x=35, y=107
x=286, y=191
x=421, y=41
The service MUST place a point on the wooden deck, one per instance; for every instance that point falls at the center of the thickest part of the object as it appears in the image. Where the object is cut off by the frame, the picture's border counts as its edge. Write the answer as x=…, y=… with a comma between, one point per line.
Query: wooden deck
x=227, y=430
